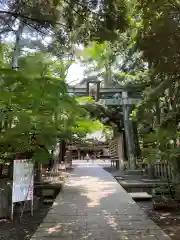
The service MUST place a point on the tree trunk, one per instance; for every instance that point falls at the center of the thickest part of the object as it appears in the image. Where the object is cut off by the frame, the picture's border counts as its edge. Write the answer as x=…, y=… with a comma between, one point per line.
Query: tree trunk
x=38, y=169
x=1, y=169
x=158, y=113
x=16, y=52
x=62, y=150
x=136, y=140
x=125, y=146
x=10, y=171
x=5, y=197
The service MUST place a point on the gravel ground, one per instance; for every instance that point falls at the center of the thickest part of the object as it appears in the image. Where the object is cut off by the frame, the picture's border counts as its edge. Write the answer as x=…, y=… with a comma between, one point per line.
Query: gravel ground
x=22, y=229
x=168, y=220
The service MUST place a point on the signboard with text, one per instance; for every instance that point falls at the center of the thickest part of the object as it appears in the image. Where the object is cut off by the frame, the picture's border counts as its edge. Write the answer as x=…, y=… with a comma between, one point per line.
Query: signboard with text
x=23, y=181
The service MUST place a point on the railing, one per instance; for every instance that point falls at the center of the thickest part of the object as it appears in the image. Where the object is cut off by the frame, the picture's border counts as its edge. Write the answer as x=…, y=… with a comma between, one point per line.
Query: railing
x=163, y=171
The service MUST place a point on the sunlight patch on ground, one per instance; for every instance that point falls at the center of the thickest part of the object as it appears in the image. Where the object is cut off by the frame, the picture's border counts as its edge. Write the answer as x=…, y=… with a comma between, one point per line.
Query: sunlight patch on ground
x=99, y=191
x=54, y=229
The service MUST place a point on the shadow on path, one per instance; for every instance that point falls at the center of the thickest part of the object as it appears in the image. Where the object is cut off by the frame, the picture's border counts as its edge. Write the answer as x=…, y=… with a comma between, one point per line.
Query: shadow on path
x=92, y=205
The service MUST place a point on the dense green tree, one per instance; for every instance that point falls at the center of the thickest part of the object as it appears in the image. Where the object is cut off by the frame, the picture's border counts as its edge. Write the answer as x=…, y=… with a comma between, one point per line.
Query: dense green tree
x=100, y=20
x=134, y=42
x=156, y=38
x=36, y=110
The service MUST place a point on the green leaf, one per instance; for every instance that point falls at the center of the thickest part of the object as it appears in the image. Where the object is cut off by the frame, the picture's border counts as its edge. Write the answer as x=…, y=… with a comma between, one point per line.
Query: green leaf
x=41, y=156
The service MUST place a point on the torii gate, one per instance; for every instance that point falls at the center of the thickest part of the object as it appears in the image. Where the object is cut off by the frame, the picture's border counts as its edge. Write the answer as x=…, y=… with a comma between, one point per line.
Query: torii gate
x=121, y=96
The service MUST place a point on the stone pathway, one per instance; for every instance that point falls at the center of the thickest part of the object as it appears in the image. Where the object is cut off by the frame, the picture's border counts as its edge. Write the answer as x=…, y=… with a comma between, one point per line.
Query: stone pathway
x=93, y=206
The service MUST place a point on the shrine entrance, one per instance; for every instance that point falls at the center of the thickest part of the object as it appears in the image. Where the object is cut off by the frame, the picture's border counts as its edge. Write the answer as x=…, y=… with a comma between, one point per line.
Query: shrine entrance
x=123, y=98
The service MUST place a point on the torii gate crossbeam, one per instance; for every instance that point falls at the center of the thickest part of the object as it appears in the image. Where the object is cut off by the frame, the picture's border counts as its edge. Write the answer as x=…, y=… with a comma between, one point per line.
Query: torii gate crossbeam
x=118, y=97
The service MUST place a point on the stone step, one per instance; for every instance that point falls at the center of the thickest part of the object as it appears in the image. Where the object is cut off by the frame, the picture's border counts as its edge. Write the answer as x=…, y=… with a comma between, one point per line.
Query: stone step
x=47, y=192
x=135, y=172
x=139, y=183
x=131, y=177
x=48, y=200
x=119, y=178
x=151, y=180
x=140, y=196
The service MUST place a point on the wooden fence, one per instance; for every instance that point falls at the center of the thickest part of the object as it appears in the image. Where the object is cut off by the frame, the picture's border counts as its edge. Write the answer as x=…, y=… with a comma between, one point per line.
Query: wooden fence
x=163, y=171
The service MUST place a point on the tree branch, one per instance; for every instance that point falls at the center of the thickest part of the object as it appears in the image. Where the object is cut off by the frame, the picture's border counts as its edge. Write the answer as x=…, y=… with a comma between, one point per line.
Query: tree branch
x=6, y=30
x=41, y=21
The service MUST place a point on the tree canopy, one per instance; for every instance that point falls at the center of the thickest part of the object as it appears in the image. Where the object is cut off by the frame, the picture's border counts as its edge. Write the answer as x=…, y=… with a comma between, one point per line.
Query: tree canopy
x=124, y=43
x=158, y=112
x=73, y=19
x=36, y=110
x=146, y=54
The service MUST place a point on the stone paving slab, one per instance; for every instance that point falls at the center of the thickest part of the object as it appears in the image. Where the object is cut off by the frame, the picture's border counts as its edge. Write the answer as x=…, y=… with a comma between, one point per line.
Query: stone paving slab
x=93, y=206
x=140, y=195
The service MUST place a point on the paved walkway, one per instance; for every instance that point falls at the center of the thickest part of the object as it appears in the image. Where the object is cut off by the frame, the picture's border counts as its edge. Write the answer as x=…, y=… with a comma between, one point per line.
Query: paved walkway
x=93, y=206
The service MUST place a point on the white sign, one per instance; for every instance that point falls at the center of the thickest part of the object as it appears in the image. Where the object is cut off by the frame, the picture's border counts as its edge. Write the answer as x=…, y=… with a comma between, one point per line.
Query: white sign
x=23, y=181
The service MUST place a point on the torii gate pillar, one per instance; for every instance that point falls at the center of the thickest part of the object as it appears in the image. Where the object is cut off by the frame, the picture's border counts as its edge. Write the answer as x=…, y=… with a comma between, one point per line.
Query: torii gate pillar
x=129, y=133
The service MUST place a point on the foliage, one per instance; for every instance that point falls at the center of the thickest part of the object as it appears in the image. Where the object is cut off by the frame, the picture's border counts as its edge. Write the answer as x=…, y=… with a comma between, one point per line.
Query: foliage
x=36, y=109
x=109, y=117
x=161, y=145
x=152, y=58
x=98, y=59
x=125, y=43
x=84, y=20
